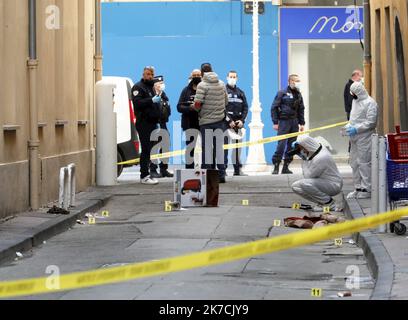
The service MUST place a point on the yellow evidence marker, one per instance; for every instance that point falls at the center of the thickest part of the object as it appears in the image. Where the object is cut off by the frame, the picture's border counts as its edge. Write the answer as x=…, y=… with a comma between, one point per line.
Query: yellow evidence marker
x=338, y=242
x=245, y=202
x=316, y=292
x=277, y=223
x=91, y=220
x=105, y=214
x=326, y=209
x=167, y=206
x=296, y=206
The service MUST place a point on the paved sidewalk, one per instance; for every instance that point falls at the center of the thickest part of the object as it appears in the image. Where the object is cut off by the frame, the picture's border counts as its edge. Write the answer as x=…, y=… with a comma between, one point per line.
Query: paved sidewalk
x=139, y=230
x=27, y=230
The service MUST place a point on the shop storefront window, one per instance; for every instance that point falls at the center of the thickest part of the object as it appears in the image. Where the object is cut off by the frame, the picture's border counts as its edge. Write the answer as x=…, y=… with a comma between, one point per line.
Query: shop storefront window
x=323, y=48
x=330, y=67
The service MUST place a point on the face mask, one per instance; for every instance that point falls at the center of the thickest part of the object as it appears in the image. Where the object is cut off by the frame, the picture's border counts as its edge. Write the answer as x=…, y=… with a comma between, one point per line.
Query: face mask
x=232, y=82
x=295, y=85
x=196, y=80
x=162, y=87
x=298, y=85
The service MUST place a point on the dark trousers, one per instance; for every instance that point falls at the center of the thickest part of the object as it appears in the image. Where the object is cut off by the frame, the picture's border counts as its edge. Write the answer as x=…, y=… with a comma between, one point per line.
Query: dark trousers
x=213, y=150
x=284, y=146
x=163, y=165
x=236, y=155
x=145, y=130
x=190, y=152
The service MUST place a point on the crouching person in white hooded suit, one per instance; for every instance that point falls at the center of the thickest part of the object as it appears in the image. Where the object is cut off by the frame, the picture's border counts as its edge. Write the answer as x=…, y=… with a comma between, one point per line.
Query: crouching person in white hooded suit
x=322, y=180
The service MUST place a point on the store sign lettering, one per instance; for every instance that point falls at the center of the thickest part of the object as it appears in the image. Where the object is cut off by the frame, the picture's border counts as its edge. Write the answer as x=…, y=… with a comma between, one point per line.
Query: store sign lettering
x=353, y=22
x=324, y=22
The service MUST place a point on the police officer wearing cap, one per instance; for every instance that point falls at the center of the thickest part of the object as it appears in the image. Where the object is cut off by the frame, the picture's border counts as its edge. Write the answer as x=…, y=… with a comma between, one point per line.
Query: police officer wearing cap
x=288, y=116
x=146, y=104
x=237, y=111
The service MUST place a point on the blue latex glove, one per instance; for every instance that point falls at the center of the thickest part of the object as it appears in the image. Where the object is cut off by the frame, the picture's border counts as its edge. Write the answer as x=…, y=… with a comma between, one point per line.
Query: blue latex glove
x=351, y=131
x=294, y=144
x=156, y=99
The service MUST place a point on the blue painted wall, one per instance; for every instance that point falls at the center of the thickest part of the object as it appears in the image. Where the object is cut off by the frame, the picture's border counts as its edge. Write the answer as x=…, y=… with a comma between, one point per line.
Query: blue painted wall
x=178, y=37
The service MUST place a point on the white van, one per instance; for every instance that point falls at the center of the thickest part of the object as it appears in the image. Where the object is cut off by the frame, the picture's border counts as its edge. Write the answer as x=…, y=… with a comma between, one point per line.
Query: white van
x=127, y=137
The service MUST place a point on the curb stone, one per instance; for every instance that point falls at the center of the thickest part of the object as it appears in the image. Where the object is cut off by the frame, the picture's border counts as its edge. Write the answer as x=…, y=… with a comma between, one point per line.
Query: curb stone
x=378, y=259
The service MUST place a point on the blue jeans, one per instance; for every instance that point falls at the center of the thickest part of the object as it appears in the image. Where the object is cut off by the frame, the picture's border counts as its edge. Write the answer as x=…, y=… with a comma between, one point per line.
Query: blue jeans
x=212, y=143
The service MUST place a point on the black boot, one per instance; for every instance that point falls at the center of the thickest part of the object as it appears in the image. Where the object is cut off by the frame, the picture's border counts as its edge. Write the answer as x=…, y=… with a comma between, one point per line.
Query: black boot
x=166, y=174
x=285, y=169
x=155, y=175
x=276, y=170
x=238, y=172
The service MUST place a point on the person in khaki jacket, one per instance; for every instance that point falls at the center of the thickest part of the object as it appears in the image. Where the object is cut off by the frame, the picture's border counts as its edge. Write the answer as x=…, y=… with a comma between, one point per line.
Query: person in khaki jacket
x=210, y=102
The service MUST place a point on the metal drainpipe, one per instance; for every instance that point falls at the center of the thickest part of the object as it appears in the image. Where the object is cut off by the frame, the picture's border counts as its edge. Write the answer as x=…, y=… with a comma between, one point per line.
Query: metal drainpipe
x=367, y=46
x=374, y=174
x=382, y=181
x=34, y=142
x=98, y=41
x=98, y=77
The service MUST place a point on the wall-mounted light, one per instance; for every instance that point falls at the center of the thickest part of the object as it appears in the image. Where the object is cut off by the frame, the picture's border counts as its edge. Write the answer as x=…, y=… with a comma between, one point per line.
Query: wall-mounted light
x=248, y=7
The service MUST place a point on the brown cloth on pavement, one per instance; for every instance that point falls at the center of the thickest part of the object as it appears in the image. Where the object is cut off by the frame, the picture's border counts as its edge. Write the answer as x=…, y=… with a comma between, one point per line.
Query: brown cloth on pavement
x=312, y=222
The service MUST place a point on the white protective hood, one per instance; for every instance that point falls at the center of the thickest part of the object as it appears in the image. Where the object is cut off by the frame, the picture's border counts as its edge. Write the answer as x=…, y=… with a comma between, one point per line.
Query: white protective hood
x=359, y=90
x=309, y=143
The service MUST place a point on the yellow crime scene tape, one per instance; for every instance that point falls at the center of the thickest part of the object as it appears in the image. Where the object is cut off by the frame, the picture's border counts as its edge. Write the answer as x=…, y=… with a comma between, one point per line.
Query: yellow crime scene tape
x=238, y=145
x=129, y=272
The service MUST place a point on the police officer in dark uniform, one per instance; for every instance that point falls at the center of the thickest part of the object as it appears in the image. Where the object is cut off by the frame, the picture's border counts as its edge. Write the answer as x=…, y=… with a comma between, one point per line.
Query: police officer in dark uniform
x=146, y=104
x=165, y=112
x=237, y=111
x=288, y=116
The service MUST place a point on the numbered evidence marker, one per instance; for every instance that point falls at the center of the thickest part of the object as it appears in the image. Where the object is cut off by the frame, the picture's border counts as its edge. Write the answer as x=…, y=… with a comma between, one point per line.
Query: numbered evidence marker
x=245, y=202
x=296, y=206
x=316, y=292
x=167, y=206
x=91, y=220
x=326, y=209
x=338, y=242
x=105, y=214
x=276, y=223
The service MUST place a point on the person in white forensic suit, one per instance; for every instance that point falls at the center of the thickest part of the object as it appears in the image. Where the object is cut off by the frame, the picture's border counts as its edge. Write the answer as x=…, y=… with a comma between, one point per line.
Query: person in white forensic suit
x=362, y=125
x=322, y=179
